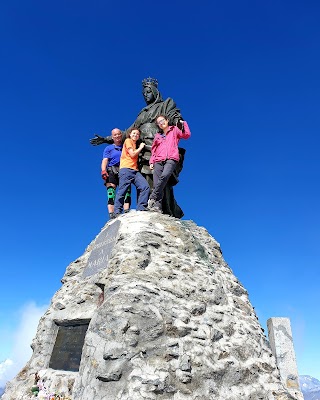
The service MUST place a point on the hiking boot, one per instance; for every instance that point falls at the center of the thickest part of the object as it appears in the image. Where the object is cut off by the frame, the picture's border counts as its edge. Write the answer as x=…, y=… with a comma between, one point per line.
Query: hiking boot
x=155, y=209
x=112, y=215
x=151, y=203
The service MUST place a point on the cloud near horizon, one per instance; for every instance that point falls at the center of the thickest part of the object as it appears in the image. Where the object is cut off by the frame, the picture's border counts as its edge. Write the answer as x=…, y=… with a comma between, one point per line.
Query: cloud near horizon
x=21, y=350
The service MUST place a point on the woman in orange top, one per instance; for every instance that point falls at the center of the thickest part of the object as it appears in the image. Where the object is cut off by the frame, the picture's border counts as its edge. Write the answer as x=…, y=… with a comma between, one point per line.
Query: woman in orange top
x=129, y=174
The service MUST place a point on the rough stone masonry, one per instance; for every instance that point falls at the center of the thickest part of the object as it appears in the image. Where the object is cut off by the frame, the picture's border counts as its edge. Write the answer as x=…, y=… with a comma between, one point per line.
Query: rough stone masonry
x=159, y=314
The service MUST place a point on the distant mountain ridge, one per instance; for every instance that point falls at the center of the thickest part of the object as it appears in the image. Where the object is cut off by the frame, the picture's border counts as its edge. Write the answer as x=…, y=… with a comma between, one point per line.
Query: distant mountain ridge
x=310, y=387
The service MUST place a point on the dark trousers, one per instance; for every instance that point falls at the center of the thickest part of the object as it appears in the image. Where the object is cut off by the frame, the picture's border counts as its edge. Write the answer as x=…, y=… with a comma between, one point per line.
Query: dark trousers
x=161, y=174
x=127, y=177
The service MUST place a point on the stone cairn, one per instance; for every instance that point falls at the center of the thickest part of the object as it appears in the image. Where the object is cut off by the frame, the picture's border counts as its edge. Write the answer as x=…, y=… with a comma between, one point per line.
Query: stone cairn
x=150, y=311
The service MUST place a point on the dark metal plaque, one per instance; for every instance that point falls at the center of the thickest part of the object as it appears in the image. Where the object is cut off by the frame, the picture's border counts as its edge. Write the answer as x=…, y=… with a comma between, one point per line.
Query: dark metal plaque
x=99, y=257
x=66, y=354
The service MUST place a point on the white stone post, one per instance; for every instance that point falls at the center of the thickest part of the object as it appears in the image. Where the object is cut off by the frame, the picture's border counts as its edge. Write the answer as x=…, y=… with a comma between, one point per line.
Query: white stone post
x=281, y=342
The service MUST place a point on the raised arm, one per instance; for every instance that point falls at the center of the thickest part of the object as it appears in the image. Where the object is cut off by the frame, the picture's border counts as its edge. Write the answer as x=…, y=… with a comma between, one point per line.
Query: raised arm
x=185, y=132
x=133, y=153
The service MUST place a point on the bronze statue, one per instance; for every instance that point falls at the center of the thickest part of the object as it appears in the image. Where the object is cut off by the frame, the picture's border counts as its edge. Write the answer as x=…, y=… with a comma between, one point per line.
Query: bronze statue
x=146, y=124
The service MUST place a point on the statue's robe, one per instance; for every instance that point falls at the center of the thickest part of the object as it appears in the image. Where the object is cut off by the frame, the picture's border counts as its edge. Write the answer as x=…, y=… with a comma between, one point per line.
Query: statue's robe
x=148, y=128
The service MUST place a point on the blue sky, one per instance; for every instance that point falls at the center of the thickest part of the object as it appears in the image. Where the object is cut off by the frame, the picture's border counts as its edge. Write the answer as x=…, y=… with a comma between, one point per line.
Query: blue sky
x=246, y=78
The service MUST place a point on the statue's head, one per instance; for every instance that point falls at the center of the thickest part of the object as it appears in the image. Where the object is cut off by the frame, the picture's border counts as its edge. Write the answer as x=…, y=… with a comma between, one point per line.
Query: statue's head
x=150, y=90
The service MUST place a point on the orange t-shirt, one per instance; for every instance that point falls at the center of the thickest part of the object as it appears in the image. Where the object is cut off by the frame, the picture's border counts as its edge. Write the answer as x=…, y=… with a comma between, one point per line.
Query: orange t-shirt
x=126, y=161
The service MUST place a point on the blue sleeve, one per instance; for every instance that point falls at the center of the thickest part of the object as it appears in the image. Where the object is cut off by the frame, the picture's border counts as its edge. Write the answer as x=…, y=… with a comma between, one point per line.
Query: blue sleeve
x=106, y=152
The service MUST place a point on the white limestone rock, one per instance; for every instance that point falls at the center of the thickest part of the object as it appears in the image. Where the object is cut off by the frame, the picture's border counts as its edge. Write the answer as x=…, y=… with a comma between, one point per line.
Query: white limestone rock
x=168, y=320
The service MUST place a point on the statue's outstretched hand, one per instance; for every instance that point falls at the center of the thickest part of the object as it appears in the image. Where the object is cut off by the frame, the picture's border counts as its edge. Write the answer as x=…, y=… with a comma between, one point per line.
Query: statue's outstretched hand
x=97, y=140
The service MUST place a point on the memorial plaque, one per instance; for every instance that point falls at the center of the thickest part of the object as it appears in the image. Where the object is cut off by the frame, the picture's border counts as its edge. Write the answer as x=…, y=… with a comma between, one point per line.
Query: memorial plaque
x=99, y=257
x=66, y=354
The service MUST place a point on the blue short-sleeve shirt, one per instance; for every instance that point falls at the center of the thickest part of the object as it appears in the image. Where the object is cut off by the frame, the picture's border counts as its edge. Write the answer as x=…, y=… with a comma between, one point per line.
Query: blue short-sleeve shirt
x=113, y=153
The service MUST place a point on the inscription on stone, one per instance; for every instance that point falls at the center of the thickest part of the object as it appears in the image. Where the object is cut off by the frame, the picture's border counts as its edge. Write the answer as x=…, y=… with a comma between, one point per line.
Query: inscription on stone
x=101, y=251
x=66, y=354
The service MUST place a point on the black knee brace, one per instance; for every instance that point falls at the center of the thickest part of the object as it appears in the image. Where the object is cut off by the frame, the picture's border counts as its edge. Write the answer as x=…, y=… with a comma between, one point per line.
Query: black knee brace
x=127, y=197
x=111, y=195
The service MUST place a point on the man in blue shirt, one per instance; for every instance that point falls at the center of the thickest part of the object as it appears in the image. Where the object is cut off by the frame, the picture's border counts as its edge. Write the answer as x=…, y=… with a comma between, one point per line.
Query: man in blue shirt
x=110, y=171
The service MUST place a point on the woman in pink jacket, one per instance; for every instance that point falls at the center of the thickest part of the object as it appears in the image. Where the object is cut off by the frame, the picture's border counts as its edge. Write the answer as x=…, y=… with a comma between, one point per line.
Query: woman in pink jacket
x=164, y=158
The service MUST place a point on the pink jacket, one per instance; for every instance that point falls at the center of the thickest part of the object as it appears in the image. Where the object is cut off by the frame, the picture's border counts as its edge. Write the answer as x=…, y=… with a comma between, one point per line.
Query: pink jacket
x=165, y=147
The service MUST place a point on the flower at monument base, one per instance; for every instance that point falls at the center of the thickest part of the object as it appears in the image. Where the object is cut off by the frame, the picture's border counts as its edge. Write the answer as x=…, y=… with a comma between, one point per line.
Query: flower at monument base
x=42, y=395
